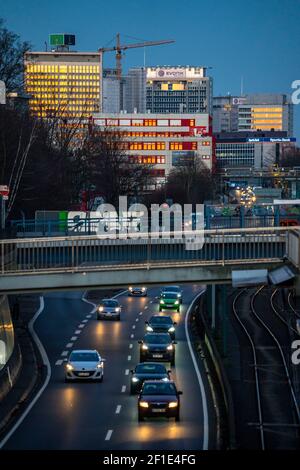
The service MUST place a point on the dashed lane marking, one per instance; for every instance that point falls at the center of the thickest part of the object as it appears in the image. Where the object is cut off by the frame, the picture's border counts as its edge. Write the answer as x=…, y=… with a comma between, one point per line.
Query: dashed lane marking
x=130, y=346
x=141, y=313
x=132, y=336
x=133, y=327
x=129, y=358
x=146, y=307
x=81, y=326
x=108, y=435
x=69, y=345
x=127, y=372
x=73, y=338
x=77, y=332
x=89, y=316
x=59, y=362
x=84, y=321
x=123, y=389
x=118, y=409
x=136, y=319
x=64, y=353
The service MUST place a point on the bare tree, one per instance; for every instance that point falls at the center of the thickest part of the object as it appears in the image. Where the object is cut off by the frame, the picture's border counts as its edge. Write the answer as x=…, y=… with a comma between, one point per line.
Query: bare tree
x=12, y=50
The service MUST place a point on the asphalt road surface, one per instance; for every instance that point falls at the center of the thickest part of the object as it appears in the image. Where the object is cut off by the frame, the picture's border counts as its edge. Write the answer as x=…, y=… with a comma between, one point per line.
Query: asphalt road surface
x=91, y=415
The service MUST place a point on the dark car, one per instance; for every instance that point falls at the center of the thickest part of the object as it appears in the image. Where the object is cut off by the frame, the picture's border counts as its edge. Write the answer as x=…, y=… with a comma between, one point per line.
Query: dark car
x=147, y=371
x=158, y=399
x=108, y=309
x=157, y=347
x=174, y=290
x=161, y=324
x=137, y=290
x=169, y=300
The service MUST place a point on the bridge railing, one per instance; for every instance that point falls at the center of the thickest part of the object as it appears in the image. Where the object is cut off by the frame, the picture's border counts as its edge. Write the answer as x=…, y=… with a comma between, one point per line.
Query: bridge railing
x=211, y=247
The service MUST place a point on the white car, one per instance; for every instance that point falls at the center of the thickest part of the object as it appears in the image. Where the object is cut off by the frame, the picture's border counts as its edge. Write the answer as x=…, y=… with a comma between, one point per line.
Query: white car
x=84, y=364
x=137, y=290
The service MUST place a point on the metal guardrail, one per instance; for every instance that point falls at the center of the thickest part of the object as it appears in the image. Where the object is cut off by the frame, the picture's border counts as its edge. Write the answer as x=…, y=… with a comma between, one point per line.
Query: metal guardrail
x=84, y=253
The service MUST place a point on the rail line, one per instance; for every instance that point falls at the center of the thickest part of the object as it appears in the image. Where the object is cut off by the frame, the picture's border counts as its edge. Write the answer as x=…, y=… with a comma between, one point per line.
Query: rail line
x=276, y=413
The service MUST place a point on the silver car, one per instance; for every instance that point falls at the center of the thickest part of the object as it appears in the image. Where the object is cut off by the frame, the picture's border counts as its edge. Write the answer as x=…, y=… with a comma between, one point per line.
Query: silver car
x=84, y=364
x=109, y=309
x=137, y=290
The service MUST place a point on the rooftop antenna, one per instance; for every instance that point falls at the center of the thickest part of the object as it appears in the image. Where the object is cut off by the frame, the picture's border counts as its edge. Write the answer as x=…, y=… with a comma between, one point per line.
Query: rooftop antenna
x=242, y=85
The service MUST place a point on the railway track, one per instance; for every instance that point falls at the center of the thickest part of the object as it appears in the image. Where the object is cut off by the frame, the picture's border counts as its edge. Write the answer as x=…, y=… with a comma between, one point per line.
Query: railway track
x=273, y=416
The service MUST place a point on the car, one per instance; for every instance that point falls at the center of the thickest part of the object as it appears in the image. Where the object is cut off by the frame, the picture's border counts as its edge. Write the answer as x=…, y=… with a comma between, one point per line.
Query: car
x=161, y=324
x=137, y=290
x=147, y=371
x=109, y=309
x=175, y=290
x=169, y=300
x=84, y=364
x=158, y=399
x=157, y=347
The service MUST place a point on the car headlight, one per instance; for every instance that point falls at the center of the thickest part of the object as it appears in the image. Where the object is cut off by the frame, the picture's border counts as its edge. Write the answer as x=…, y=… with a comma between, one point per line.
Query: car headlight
x=117, y=309
x=144, y=346
x=149, y=328
x=144, y=404
x=178, y=295
x=170, y=347
x=101, y=309
x=171, y=330
x=162, y=301
x=176, y=302
x=130, y=288
x=165, y=379
x=69, y=367
x=135, y=379
x=143, y=289
x=99, y=366
x=173, y=404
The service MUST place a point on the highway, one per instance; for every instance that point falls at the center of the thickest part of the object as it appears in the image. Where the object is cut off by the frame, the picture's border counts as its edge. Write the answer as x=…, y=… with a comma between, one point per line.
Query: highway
x=104, y=415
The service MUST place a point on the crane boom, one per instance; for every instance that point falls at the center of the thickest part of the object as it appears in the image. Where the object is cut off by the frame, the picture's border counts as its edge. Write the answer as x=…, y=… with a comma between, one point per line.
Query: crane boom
x=122, y=47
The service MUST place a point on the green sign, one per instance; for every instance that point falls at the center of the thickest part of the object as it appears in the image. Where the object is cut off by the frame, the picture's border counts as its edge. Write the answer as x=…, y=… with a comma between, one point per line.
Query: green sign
x=57, y=40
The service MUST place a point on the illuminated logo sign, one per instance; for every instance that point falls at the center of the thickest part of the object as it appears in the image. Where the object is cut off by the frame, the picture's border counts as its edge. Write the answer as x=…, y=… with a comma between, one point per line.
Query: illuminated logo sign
x=174, y=73
x=271, y=139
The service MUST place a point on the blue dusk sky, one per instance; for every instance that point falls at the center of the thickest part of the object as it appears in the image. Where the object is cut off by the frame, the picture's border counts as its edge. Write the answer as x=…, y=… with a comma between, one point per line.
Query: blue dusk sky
x=254, y=39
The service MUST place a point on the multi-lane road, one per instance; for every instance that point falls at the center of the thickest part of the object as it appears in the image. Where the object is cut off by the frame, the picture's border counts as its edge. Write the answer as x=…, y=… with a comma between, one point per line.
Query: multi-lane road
x=104, y=415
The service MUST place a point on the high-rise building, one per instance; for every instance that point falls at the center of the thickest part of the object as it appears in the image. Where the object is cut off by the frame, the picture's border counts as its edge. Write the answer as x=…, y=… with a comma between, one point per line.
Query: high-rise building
x=113, y=92
x=64, y=83
x=135, y=91
x=178, y=90
x=257, y=112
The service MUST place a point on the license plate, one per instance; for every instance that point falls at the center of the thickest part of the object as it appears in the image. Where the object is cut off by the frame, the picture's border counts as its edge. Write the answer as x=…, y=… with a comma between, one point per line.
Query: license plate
x=159, y=410
x=157, y=356
x=83, y=374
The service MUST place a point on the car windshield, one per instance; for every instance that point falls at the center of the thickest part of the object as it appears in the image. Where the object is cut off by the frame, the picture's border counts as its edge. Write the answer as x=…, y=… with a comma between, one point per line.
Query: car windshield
x=150, y=369
x=157, y=339
x=160, y=320
x=161, y=388
x=84, y=357
x=172, y=289
x=110, y=303
x=169, y=295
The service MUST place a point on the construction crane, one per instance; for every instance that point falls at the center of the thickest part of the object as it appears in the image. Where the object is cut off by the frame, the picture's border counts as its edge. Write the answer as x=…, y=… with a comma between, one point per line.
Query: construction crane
x=119, y=48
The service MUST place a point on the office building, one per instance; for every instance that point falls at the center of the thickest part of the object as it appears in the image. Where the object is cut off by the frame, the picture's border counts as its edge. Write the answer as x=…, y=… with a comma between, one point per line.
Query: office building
x=135, y=91
x=250, y=149
x=163, y=141
x=178, y=90
x=112, y=95
x=64, y=83
x=259, y=112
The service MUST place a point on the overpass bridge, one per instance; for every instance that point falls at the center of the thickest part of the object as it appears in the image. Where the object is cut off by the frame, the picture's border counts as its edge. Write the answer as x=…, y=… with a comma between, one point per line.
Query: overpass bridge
x=38, y=264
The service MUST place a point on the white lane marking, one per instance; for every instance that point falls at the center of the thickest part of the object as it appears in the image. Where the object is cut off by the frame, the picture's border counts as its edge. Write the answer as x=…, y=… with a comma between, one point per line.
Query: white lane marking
x=129, y=358
x=127, y=372
x=84, y=321
x=64, y=353
x=108, y=435
x=202, y=389
x=130, y=346
x=141, y=313
x=73, y=338
x=89, y=316
x=123, y=389
x=133, y=327
x=59, y=362
x=151, y=301
x=45, y=362
x=118, y=409
x=146, y=307
x=132, y=336
x=81, y=325
x=137, y=319
x=77, y=332
x=69, y=345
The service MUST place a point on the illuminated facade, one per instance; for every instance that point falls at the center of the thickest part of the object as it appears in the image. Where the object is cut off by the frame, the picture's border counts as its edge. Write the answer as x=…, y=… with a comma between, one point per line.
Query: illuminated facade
x=162, y=141
x=67, y=84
